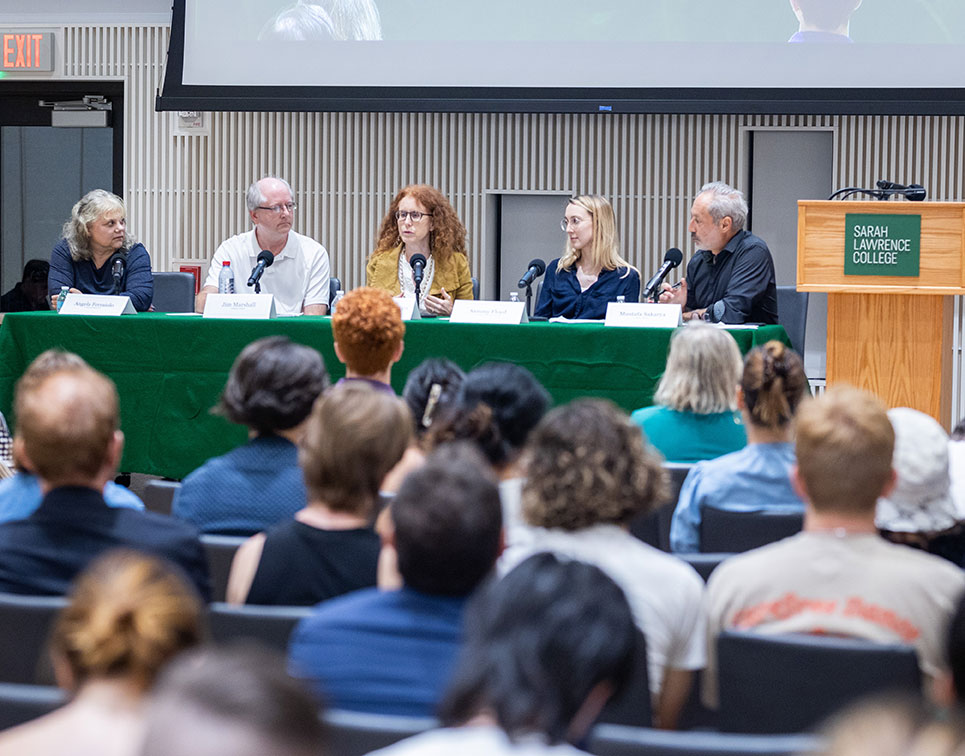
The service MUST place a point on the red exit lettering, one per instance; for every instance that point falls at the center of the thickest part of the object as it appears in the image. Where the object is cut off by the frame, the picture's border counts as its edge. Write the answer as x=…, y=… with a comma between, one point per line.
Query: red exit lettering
x=21, y=50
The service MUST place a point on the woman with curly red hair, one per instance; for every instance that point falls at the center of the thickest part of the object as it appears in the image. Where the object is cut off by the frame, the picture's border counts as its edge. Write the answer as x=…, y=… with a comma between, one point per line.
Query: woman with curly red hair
x=421, y=221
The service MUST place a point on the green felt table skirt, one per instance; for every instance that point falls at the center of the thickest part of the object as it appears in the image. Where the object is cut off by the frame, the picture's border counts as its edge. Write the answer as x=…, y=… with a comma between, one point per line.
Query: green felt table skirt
x=170, y=369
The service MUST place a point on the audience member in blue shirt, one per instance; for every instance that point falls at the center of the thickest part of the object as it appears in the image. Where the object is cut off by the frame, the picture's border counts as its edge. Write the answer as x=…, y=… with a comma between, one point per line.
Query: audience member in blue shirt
x=94, y=238
x=591, y=273
x=392, y=652
x=758, y=476
x=271, y=389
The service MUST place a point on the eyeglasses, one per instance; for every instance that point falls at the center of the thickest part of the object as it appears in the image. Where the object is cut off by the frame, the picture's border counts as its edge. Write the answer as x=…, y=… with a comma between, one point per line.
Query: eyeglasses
x=415, y=215
x=565, y=223
x=276, y=209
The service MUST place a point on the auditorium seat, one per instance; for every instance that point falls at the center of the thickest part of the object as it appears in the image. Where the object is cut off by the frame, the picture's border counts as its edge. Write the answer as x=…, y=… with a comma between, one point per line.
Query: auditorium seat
x=268, y=625
x=159, y=495
x=173, y=292
x=334, y=286
x=633, y=706
x=704, y=563
x=350, y=733
x=616, y=740
x=791, y=683
x=654, y=528
x=220, y=551
x=25, y=624
x=733, y=532
x=21, y=703
x=475, y=287
x=792, y=313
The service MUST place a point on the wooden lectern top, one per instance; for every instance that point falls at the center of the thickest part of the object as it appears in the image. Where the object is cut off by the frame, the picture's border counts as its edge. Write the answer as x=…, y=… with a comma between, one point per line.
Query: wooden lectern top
x=821, y=245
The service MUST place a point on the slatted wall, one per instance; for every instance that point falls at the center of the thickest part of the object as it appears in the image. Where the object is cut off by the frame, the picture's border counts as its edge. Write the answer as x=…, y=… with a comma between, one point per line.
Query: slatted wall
x=185, y=193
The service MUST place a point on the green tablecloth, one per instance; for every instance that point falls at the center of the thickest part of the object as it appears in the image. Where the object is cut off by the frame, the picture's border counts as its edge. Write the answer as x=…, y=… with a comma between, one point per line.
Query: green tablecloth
x=170, y=369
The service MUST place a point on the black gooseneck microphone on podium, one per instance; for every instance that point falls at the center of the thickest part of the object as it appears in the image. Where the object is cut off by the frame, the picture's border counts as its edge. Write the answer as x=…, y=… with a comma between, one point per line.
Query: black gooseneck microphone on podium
x=265, y=259
x=671, y=260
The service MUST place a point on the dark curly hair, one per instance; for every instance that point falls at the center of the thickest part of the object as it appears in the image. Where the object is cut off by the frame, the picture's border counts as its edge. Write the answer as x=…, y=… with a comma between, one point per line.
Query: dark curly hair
x=448, y=235
x=430, y=388
x=367, y=327
x=272, y=385
x=586, y=463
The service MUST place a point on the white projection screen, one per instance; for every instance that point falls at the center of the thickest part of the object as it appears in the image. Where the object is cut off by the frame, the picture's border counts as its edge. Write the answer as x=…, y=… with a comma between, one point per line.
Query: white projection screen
x=776, y=56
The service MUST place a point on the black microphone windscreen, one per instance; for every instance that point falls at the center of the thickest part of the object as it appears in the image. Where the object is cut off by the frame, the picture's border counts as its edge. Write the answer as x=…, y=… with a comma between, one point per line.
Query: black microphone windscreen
x=674, y=256
x=539, y=265
x=417, y=258
x=266, y=257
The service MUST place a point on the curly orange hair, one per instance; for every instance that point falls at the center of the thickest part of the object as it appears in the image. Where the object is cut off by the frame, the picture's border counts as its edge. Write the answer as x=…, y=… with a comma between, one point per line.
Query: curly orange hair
x=448, y=235
x=368, y=328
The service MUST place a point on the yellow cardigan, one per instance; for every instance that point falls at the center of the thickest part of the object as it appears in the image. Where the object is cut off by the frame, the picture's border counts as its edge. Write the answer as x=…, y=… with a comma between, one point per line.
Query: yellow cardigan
x=452, y=273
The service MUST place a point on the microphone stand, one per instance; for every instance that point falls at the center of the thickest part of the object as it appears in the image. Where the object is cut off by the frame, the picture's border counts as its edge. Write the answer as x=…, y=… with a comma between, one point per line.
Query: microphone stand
x=258, y=286
x=529, y=300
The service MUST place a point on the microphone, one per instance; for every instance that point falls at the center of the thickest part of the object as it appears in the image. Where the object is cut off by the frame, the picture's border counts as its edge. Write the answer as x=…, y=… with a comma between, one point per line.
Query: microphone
x=912, y=192
x=117, y=271
x=671, y=260
x=535, y=269
x=418, y=263
x=265, y=259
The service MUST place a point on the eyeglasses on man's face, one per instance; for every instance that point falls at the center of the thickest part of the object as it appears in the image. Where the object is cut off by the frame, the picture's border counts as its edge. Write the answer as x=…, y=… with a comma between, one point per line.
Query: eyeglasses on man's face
x=415, y=215
x=277, y=209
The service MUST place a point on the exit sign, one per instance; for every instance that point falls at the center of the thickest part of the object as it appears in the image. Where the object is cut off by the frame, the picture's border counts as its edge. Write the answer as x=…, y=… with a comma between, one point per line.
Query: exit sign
x=23, y=50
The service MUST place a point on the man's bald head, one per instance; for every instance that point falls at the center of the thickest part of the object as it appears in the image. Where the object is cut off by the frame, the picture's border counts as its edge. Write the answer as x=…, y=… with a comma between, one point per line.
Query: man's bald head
x=67, y=422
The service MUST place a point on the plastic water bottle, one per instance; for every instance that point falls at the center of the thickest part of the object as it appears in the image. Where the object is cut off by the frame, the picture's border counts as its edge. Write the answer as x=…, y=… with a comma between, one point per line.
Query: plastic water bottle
x=514, y=296
x=62, y=297
x=338, y=298
x=226, y=279
x=621, y=299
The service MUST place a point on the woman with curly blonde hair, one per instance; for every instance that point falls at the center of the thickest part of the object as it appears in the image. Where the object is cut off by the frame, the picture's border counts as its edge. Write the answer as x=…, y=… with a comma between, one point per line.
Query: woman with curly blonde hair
x=129, y=614
x=421, y=221
x=589, y=473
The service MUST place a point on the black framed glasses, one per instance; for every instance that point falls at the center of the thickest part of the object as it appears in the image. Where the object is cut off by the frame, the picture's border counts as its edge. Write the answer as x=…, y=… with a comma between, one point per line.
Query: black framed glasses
x=415, y=215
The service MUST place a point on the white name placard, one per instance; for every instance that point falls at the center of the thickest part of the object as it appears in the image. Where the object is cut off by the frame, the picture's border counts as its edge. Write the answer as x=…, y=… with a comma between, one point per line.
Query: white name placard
x=97, y=304
x=493, y=313
x=247, y=306
x=643, y=315
x=409, y=307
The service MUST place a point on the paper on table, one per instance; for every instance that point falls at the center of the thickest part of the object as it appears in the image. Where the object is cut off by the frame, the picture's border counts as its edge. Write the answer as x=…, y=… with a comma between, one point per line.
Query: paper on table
x=561, y=319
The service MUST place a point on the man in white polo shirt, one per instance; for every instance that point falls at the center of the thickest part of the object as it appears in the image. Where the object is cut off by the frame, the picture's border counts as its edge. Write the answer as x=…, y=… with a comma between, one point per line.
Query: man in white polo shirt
x=298, y=278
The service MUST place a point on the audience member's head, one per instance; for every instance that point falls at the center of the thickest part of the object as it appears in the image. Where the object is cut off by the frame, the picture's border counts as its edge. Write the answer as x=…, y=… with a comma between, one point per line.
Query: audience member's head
x=353, y=437
x=702, y=373
x=430, y=388
x=892, y=726
x=237, y=701
x=921, y=501
x=497, y=406
x=129, y=614
x=33, y=287
x=447, y=524
x=773, y=385
x=544, y=649
x=587, y=463
x=367, y=328
x=844, y=446
x=67, y=422
x=272, y=385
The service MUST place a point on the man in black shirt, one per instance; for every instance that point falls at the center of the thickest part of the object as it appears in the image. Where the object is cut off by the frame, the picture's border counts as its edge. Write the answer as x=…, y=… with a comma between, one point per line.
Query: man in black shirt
x=730, y=279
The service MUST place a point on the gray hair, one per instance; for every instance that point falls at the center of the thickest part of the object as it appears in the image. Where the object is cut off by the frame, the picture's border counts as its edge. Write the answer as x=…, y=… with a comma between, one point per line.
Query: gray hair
x=726, y=201
x=703, y=370
x=88, y=209
x=254, y=197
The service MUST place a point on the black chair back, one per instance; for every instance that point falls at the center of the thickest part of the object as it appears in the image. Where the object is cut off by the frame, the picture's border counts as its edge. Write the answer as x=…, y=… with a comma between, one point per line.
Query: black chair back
x=633, y=706
x=334, y=286
x=705, y=564
x=25, y=625
x=268, y=625
x=350, y=733
x=792, y=313
x=219, y=550
x=791, y=683
x=22, y=703
x=614, y=740
x=733, y=532
x=654, y=527
x=173, y=292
